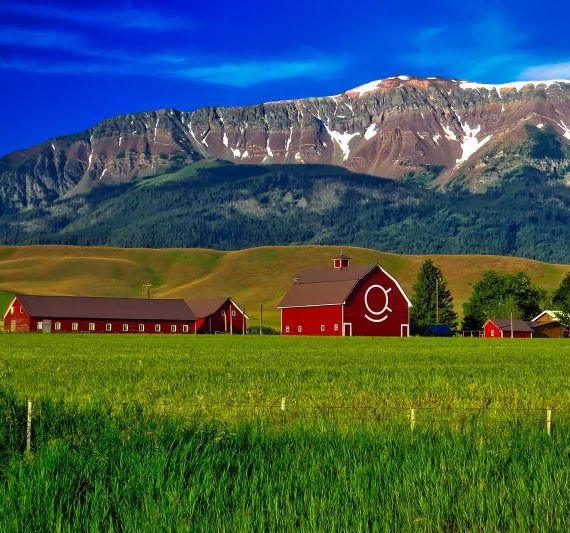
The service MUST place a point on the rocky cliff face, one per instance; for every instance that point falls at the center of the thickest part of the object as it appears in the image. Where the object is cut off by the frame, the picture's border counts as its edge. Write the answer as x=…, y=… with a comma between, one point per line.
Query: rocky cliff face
x=435, y=130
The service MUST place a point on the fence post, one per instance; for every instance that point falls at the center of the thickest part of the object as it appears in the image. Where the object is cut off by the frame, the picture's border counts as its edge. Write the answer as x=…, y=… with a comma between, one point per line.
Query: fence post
x=29, y=427
x=548, y=421
x=412, y=419
x=283, y=410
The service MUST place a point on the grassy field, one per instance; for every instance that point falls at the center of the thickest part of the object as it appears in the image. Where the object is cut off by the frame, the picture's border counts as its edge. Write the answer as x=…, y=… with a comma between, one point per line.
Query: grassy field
x=253, y=277
x=244, y=377
x=91, y=470
x=186, y=433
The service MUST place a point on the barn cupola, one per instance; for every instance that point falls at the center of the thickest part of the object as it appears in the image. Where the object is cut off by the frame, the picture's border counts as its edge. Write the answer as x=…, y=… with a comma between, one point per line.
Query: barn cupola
x=341, y=261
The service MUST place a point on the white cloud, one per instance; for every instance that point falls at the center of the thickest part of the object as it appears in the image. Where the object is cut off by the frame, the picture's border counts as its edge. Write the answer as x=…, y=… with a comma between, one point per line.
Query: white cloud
x=128, y=18
x=549, y=71
x=249, y=73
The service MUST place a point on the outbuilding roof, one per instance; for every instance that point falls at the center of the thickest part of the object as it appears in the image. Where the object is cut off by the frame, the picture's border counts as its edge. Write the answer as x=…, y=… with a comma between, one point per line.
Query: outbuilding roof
x=208, y=306
x=324, y=286
x=105, y=308
x=504, y=324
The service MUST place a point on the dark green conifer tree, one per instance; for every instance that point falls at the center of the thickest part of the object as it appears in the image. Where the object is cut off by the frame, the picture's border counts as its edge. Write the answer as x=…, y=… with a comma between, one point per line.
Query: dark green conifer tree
x=432, y=300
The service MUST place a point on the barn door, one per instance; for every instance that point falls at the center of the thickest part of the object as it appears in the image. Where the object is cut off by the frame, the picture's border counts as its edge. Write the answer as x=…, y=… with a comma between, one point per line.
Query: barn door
x=46, y=327
x=347, y=329
x=12, y=326
x=405, y=330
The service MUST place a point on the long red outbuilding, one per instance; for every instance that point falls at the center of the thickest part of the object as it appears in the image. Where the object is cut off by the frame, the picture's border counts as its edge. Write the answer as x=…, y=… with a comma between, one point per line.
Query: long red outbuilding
x=80, y=314
x=346, y=300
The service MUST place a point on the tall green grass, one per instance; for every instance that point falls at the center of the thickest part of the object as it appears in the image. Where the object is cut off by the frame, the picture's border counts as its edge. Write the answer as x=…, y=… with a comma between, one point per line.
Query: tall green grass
x=94, y=469
x=235, y=378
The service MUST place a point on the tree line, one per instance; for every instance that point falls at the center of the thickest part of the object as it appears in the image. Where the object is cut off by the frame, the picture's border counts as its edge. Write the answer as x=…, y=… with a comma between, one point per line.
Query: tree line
x=494, y=295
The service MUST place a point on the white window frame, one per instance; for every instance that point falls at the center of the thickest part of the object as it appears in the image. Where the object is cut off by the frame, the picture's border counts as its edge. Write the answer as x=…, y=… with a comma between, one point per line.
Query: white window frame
x=173, y=328
x=287, y=329
x=492, y=332
x=185, y=328
x=336, y=327
x=223, y=312
x=57, y=326
x=21, y=309
x=91, y=326
x=125, y=328
x=157, y=328
x=141, y=328
x=322, y=328
x=108, y=327
x=40, y=326
x=299, y=329
x=75, y=326
x=233, y=313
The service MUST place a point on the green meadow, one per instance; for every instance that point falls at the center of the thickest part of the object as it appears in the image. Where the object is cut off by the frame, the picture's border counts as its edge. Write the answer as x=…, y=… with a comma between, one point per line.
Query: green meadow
x=187, y=433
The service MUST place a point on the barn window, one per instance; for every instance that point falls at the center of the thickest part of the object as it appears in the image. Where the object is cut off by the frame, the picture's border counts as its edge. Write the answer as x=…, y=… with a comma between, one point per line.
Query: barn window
x=322, y=327
x=173, y=328
x=299, y=329
x=223, y=312
x=157, y=328
x=58, y=326
x=91, y=326
x=40, y=326
x=233, y=313
x=21, y=309
x=125, y=327
x=336, y=327
x=74, y=326
x=141, y=327
x=492, y=333
x=185, y=328
x=108, y=327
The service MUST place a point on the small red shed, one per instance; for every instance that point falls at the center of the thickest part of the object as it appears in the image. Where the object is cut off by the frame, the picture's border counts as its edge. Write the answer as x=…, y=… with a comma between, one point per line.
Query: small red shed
x=502, y=327
x=346, y=300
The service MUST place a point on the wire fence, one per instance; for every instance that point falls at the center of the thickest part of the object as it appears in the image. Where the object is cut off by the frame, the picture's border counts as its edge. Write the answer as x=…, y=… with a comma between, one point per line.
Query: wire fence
x=286, y=412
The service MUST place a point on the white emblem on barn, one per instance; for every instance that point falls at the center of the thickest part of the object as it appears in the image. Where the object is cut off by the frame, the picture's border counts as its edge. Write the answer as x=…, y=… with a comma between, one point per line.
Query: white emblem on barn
x=379, y=308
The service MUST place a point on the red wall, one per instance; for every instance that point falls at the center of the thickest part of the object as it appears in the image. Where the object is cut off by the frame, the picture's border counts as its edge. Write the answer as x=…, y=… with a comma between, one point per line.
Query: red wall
x=311, y=319
x=490, y=330
x=20, y=318
x=218, y=323
x=356, y=311
x=25, y=323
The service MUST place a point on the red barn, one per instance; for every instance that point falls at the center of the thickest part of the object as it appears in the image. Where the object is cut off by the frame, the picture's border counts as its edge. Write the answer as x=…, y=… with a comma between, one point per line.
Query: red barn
x=346, y=300
x=218, y=315
x=501, y=327
x=77, y=314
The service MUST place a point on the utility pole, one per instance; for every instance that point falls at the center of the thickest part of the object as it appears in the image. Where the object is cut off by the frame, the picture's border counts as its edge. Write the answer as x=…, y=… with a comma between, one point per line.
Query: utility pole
x=437, y=300
x=147, y=286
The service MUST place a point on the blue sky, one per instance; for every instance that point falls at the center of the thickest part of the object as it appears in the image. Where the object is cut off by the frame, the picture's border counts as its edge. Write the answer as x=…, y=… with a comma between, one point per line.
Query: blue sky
x=64, y=65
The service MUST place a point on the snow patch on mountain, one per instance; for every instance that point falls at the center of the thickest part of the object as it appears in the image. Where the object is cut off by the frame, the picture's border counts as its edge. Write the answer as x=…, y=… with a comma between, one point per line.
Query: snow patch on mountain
x=566, y=129
x=449, y=133
x=343, y=140
x=470, y=144
x=517, y=85
x=370, y=132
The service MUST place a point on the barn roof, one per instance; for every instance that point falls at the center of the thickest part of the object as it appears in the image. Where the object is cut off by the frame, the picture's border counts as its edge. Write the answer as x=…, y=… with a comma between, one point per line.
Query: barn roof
x=504, y=324
x=208, y=306
x=324, y=286
x=105, y=308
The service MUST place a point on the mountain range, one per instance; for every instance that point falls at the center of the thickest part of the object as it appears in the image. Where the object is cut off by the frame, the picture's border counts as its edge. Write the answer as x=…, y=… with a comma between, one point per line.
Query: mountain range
x=407, y=164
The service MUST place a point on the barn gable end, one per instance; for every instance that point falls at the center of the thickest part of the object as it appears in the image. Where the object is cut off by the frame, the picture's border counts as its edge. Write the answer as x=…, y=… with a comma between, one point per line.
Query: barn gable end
x=345, y=300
